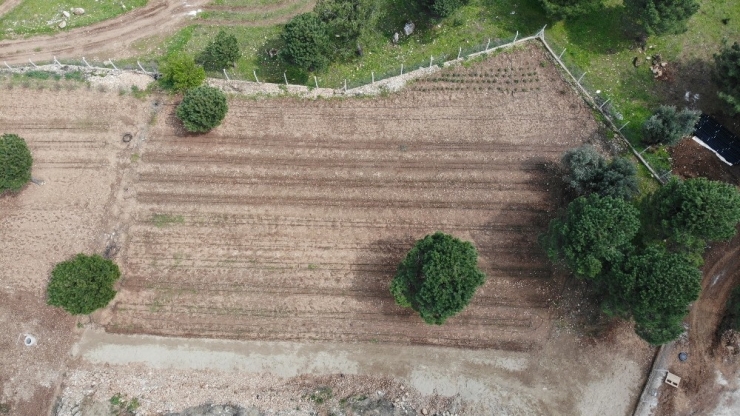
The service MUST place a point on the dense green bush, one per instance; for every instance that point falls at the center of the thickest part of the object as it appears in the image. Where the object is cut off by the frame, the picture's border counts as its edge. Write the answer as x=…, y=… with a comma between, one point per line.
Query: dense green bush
x=438, y=277
x=443, y=8
x=15, y=163
x=588, y=172
x=306, y=42
x=346, y=21
x=202, y=109
x=668, y=125
x=727, y=76
x=180, y=72
x=694, y=208
x=562, y=9
x=662, y=16
x=83, y=284
x=220, y=53
x=595, y=232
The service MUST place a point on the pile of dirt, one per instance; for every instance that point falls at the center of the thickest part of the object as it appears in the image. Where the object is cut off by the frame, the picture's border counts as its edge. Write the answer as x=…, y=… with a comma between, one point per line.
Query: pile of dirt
x=729, y=344
x=691, y=160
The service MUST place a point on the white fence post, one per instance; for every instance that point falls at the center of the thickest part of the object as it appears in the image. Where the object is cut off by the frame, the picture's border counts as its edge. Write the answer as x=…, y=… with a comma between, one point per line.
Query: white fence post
x=285, y=76
x=401, y=69
x=431, y=59
x=602, y=105
x=83, y=60
x=57, y=62
x=625, y=125
x=488, y=44
x=226, y=75
x=516, y=37
x=459, y=51
x=316, y=81
x=113, y=65
x=254, y=71
x=373, y=75
x=34, y=65
x=142, y=68
x=6, y=64
x=581, y=77
x=561, y=53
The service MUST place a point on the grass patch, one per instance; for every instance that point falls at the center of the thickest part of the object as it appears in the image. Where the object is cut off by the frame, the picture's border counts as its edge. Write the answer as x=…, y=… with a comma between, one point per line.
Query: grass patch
x=33, y=17
x=165, y=220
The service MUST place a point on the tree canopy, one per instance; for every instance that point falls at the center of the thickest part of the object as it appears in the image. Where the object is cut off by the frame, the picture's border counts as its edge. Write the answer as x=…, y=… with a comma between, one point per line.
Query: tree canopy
x=346, y=21
x=562, y=9
x=727, y=76
x=668, y=125
x=83, y=284
x=443, y=8
x=595, y=232
x=15, y=163
x=438, y=277
x=306, y=42
x=587, y=171
x=699, y=208
x=221, y=52
x=202, y=108
x=180, y=72
x=663, y=16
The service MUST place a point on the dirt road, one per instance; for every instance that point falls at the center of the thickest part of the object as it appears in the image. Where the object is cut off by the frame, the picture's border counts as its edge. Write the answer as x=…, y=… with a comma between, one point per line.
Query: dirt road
x=104, y=40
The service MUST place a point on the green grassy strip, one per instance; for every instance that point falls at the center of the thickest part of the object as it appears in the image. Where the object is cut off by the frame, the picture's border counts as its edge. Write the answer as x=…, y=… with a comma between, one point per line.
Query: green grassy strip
x=289, y=9
x=34, y=17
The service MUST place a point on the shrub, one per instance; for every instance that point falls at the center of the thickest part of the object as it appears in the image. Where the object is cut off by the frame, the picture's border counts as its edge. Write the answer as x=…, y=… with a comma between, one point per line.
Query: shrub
x=562, y=9
x=669, y=126
x=83, y=284
x=587, y=171
x=727, y=76
x=438, y=277
x=443, y=8
x=202, y=109
x=15, y=163
x=346, y=21
x=180, y=72
x=306, y=42
x=223, y=51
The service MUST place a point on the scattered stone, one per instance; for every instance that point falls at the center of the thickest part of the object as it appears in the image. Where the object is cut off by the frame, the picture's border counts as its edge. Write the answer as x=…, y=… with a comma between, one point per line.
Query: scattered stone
x=78, y=11
x=66, y=14
x=408, y=28
x=62, y=24
x=395, y=38
x=424, y=411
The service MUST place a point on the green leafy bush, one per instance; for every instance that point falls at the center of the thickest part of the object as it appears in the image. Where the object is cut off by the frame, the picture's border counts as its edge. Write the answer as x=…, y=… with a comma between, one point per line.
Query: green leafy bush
x=306, y=42
x=15, y=163
x=668, y=125
x=443, y=8
x=83, y=284
x=220, y=53
x=346, y=21
x=438, y=277
x=727, y=76
x=202, y=109
x=562, y=9
x=180, y=72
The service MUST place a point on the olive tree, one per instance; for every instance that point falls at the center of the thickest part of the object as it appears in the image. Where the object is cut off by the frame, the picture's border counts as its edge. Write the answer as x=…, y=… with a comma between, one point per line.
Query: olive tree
x=668, y=125
x=221, y=52
x=15, y=163
x=438, y=277
x=306, y=41
x=180, y=72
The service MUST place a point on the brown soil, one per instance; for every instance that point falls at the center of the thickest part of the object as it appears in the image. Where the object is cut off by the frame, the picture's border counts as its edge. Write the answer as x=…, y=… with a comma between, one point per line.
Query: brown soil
x=699, y=392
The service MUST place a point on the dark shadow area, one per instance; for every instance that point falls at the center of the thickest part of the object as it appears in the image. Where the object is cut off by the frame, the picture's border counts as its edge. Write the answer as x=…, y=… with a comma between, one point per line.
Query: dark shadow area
x=528, y=16
x=605, y=31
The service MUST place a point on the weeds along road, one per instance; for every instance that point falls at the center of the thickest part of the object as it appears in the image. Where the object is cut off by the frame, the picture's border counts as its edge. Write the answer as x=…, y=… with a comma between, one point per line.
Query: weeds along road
x=103, y=40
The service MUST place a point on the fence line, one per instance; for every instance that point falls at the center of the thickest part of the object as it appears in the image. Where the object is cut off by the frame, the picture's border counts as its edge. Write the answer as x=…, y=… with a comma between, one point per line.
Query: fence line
x=391, y=81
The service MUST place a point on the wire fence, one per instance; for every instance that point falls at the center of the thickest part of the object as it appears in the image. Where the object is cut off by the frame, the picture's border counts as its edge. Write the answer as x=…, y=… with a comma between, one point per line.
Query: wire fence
x=592, y=94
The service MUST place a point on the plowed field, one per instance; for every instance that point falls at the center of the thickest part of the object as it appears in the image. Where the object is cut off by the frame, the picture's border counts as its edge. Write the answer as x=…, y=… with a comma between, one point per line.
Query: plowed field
x=288, y=221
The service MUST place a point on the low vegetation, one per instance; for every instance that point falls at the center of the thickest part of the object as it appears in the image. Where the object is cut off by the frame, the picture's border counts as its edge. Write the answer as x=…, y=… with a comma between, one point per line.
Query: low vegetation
x=668, y=125
x=727, y=76
x=202, y=109
x=589, y=172
x=438, y=277
x=180, y=72
x=83, y=284
x=15, y=163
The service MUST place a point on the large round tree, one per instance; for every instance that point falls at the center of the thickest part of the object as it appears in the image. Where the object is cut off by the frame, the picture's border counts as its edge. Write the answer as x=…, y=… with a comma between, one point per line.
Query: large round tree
x=83, y=284
x=15, y=163
x=438, y=277
x=202, y=109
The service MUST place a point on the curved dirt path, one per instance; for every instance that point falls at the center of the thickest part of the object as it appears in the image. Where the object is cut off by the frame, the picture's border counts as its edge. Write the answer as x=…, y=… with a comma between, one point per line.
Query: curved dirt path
x=8, y=5
x=103, y=40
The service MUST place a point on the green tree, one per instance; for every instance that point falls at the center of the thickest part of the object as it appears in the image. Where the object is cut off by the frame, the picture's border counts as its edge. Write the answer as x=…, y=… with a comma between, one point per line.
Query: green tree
x=220, y=53
x=727, y=76
x=15, y=163
x=438, y=277
x=668, y=125
x=443, y=8
x=663, y=16
x=562, y=9
x=306, y=42
x=587, y=171
x=202, y=108
x=180, y=72
x=83, y=284
x=595, y=233
x=346, y=21
x=655, y=287
x=698, y=208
